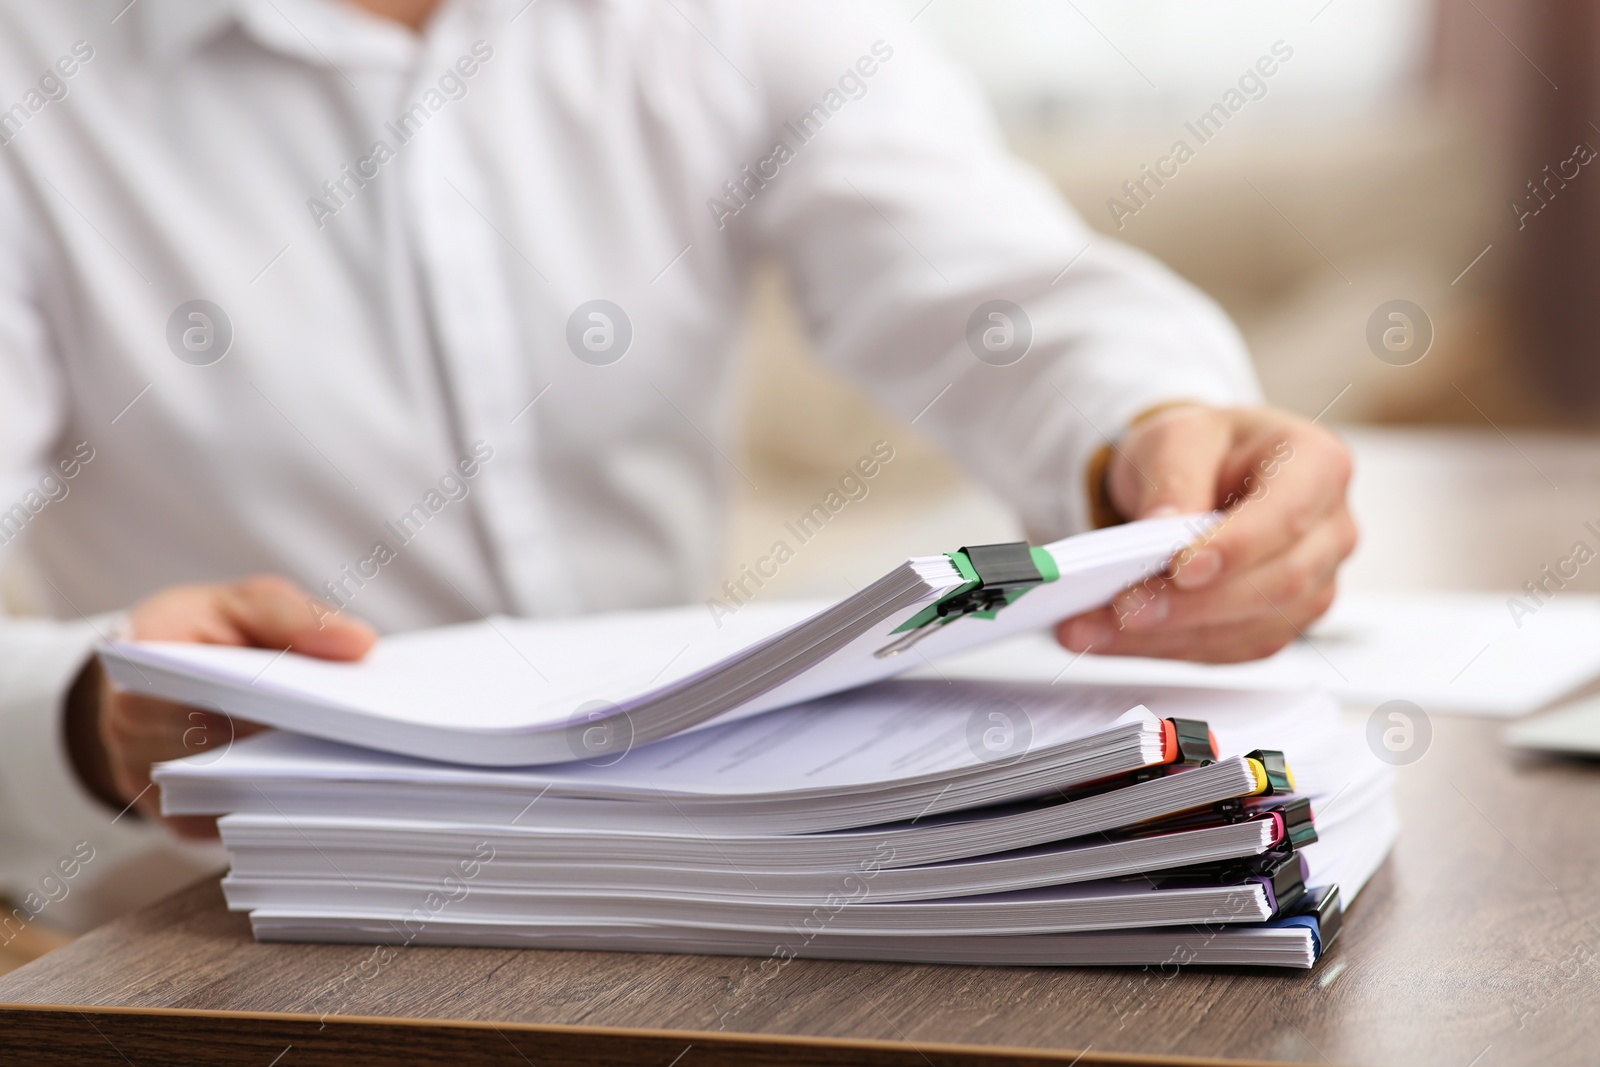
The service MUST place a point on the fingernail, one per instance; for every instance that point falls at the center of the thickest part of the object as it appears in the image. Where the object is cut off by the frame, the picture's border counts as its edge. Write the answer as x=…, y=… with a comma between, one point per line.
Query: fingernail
x=1201, y=568
x=1142, y=611
x=1084, y=634
x=1163, y=511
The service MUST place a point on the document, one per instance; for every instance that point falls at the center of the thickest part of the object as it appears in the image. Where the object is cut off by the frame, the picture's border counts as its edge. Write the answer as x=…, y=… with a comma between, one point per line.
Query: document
x=727, y=787
x=899, y=750
x=505, y=692
x=867, y=824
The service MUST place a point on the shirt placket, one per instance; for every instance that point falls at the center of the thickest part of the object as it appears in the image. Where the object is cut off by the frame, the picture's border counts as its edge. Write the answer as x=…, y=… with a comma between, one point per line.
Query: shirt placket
x=491, y=378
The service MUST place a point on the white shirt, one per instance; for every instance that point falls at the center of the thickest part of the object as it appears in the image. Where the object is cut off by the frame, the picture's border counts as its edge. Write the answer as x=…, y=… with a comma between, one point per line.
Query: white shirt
x=402, y=233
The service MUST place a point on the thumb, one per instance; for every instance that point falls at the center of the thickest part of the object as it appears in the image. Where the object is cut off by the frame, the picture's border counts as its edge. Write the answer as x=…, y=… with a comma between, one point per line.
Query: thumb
x=1169, y=463
x=272, y=612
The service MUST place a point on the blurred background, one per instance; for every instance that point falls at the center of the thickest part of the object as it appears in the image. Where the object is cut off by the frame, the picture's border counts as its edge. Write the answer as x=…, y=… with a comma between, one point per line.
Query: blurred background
x=1432, y=151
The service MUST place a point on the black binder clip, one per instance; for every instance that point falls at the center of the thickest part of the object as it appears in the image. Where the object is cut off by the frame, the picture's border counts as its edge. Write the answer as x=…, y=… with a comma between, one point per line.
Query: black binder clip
x=1186, y=743
x=1196, y=746
x=1298, y=828
x=1283, y=873
x=1325, y=905
x=1232, y=810
x=1279, y=781
x=996, y=575
x=1280, y=872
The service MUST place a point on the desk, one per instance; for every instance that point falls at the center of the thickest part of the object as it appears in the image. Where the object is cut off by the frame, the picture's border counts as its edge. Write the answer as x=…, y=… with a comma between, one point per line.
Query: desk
x=1478, y=944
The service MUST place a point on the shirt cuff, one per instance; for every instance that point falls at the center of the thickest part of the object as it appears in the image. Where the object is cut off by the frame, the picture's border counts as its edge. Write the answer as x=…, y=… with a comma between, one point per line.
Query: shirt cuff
x=40, y=794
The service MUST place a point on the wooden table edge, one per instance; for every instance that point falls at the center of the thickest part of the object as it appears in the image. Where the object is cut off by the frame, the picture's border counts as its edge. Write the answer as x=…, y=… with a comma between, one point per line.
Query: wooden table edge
x=726, y=1041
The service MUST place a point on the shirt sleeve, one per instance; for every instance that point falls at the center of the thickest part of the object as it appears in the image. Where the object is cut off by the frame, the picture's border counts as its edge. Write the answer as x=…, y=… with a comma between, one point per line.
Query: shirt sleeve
x=906, y=227
x=45, y=813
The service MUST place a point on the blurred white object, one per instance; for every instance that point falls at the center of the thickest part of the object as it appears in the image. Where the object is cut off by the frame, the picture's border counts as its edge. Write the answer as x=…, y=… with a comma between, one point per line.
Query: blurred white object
x=1102, y=58
x=1461, y=652
x=1573, y=729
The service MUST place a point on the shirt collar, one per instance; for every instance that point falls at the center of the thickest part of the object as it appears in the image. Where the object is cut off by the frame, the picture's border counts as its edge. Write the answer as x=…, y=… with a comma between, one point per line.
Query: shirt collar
x=323, y=32
x=171, y=28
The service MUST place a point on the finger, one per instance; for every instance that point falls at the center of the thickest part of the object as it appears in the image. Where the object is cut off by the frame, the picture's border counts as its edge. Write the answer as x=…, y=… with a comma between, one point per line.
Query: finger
x=1169, y=464
x=136, y=753
x=1261, y=635
x=1283, y=483
x=136, y=716
x=267, y=611
x=138, y=731
x=130, y=774
x=1093, y=631
x=1288, y=579
x=1235, y=644
x=134, y=744
x=1250, y=640
x=184, y=613
x=273, y=612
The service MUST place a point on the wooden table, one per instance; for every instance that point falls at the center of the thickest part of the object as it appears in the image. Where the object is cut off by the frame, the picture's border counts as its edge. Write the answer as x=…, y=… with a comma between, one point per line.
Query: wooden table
x=1476, y=945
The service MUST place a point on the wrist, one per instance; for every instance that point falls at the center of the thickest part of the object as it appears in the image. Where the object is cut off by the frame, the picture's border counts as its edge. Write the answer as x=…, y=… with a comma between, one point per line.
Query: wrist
x=1102, y=510
x=85, y=747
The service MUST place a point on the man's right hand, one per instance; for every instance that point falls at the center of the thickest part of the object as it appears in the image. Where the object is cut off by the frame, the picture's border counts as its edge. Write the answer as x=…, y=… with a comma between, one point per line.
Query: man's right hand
x=115, y=736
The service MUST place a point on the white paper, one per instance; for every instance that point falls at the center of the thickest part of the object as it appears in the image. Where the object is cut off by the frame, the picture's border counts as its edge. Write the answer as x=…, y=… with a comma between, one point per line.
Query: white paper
x=501, y=673
x=506, y=692
x=864, y=739
x=1244, y=945
x=1572, y=728
x=1445, y=652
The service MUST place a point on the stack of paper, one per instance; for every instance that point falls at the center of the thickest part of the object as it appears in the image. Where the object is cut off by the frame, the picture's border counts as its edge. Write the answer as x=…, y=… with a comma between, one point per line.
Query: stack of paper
x=761, y=800
x=767, y=828
x=506, y=692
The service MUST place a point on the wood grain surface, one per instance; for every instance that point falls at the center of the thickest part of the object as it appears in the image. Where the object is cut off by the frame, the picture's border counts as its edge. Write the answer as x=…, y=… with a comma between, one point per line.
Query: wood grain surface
x=1477, y=945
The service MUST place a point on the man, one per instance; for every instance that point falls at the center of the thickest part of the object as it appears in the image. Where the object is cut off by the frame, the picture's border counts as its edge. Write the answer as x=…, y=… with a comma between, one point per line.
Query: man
x=426, y=309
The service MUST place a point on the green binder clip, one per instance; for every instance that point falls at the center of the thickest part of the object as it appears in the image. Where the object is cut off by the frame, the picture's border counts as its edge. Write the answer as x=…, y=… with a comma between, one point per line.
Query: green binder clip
x=996, y=575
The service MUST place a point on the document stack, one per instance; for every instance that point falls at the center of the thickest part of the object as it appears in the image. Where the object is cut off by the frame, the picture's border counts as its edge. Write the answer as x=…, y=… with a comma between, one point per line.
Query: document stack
x=659, y=782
